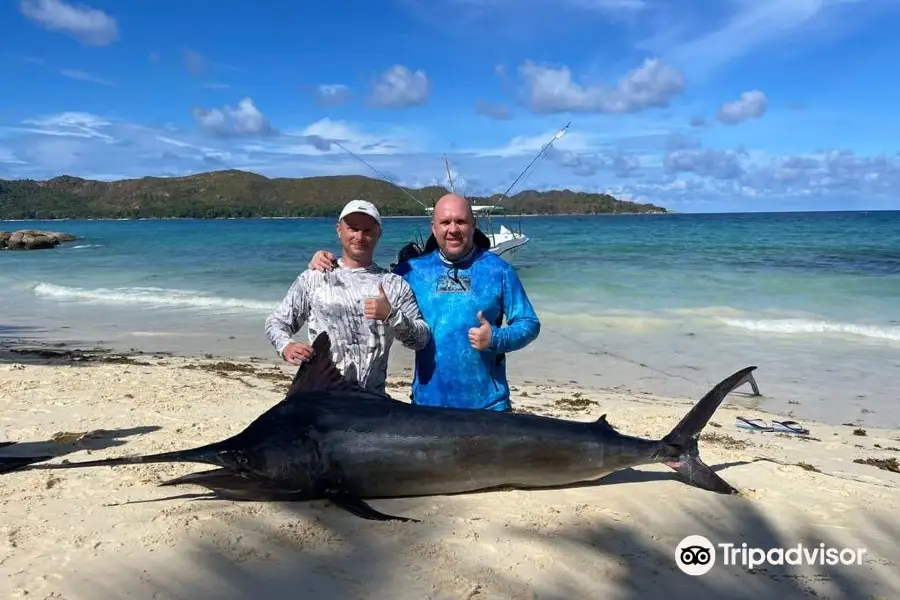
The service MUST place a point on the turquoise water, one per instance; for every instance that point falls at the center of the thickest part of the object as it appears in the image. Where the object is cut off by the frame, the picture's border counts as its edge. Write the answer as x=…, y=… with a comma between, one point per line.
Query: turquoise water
x=813, y=299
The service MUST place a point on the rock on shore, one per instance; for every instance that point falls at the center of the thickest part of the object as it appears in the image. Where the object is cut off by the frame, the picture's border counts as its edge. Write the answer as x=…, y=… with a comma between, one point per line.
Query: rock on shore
x=33, y=239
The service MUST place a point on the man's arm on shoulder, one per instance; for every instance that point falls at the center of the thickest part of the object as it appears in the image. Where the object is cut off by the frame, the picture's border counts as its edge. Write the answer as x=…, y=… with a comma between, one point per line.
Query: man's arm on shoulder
x=523, y=325
x=406, y=318
x=290, y=314
x=402, y=269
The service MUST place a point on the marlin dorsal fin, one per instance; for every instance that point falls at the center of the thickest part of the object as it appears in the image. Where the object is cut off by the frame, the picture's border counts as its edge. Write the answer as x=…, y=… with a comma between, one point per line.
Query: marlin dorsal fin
x=602, y=423
x=320, y=374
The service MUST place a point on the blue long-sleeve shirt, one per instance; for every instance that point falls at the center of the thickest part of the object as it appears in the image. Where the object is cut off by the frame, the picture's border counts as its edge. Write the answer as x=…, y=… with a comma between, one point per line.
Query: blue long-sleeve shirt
x=448, y=371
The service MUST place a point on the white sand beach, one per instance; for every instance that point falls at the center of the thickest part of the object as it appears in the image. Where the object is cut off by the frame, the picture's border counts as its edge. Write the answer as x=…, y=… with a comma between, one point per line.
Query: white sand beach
x=104, y=533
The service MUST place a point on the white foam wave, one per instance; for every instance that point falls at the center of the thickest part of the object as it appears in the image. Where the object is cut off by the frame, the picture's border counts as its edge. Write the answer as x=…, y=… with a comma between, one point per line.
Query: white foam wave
x=87, y=246
x=623, y=320
x=151, y=296
x=793, y=326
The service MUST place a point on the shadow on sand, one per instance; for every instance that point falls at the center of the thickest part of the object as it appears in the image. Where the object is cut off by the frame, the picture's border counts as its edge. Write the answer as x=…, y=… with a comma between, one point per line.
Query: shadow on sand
x=567, y=551
x=63, y=443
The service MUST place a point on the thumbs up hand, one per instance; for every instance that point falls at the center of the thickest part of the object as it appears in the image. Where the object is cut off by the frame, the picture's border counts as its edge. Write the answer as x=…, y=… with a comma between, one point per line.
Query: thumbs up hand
x=378, y=307
x=480, y=337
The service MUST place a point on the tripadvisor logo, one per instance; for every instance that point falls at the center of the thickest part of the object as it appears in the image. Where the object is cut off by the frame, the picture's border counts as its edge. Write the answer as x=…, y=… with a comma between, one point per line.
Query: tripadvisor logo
x=696, y=555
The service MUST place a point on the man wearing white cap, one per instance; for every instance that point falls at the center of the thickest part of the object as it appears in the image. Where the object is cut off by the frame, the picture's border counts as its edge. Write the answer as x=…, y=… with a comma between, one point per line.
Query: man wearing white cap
x=361, y=305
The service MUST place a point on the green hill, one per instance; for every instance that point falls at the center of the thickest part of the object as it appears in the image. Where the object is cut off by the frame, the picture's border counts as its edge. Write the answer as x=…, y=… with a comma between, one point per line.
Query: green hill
x=225, y=194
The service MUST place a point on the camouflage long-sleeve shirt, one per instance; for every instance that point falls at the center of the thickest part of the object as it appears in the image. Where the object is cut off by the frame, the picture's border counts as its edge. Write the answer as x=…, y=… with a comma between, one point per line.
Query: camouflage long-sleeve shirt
x=335, y=302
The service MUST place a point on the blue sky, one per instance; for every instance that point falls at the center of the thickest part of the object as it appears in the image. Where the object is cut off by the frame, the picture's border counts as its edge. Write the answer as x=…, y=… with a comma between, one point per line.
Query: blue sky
x=696, y=105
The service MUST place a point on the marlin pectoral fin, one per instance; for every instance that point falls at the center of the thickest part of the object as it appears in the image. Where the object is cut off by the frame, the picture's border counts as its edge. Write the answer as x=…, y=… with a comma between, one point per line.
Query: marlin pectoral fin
x=358, y=507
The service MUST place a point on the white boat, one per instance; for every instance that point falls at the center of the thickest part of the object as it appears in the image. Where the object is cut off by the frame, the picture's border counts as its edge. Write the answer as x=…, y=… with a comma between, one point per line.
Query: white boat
x=504, y=242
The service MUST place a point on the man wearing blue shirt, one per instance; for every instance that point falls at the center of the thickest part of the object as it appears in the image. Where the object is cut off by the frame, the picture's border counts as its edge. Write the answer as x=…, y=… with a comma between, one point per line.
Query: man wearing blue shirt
x=464, y=292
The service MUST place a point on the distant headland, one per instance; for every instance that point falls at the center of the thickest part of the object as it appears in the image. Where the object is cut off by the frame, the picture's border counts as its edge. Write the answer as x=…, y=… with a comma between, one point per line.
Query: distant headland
x=241, y=194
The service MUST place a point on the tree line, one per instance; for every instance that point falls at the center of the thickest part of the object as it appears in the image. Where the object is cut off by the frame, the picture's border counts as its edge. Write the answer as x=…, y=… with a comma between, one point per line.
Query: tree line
x=240, y=194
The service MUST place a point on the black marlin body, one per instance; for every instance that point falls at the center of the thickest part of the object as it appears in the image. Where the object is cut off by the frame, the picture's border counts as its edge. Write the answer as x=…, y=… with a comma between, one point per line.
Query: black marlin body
x=331, y=439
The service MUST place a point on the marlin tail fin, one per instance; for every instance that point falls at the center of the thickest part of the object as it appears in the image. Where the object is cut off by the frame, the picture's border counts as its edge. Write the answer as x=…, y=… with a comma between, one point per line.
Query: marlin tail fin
x=684, y=437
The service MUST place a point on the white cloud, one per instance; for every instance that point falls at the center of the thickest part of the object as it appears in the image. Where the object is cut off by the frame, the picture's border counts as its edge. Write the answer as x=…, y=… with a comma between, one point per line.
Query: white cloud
x=494, y=111
x=337, y=130
x=398, y=87
x=674, y=171
x=332, y=94
x=319, y=138
x=524, y=144
x=84, y=76
x=589, y=5
x=70, y=124
x=610, y=6
x=167, y=140
x=652, y=85
x=9, y=157
x=244, y=119
x=66, y=72
x=513, y=13
x=751, y=24
x=194, y=62
x=751, y=105
x=88, y=25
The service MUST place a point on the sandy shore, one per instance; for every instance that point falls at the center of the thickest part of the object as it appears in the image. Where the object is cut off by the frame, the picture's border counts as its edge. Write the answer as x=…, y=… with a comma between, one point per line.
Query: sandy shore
x=98, y=534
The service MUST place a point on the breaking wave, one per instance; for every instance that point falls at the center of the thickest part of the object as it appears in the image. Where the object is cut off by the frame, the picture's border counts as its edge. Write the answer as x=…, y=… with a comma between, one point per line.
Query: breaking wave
x=149, y=296
x=789, y=326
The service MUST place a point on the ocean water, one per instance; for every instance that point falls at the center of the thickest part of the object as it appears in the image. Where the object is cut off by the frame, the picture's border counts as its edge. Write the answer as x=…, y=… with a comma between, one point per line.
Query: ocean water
x=668, y=304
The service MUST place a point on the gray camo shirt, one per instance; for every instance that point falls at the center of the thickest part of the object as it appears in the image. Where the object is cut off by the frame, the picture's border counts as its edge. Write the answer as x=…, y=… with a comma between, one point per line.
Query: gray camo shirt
x=335, y=302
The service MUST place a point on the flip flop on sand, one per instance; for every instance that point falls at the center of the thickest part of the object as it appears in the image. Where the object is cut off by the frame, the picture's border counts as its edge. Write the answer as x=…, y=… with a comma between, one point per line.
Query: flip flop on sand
x=752, y=424
x=789, y=427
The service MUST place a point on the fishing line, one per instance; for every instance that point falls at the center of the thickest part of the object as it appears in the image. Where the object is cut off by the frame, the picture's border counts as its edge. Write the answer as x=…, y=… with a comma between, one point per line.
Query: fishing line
x=388, y=179
x=623, y=358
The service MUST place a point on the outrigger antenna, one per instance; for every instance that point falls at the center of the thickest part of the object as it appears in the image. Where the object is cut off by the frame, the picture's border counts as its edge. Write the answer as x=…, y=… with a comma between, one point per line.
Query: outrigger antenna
x=558, y=135
x=449, y=176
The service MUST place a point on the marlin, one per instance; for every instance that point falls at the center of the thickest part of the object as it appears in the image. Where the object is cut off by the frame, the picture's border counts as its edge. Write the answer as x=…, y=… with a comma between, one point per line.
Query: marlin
x=330, y=439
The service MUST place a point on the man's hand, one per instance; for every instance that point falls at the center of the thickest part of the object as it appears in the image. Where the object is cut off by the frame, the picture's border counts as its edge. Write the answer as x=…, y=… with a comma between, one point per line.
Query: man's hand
x=296, y=352
x=322, y=261
x=480, y=337
x=379, y=307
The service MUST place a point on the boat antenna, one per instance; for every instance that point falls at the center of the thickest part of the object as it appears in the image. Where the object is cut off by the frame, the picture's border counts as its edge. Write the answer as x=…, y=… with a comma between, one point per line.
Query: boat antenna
x=556, y=136
x=388, y=179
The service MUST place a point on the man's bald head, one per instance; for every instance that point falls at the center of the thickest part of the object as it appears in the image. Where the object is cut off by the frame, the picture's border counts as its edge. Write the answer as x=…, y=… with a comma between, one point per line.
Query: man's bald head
x=454, y=203
x=453, y=225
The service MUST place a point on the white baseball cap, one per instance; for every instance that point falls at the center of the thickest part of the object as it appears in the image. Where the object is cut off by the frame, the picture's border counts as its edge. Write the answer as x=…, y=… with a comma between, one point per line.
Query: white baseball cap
x=361, y=206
